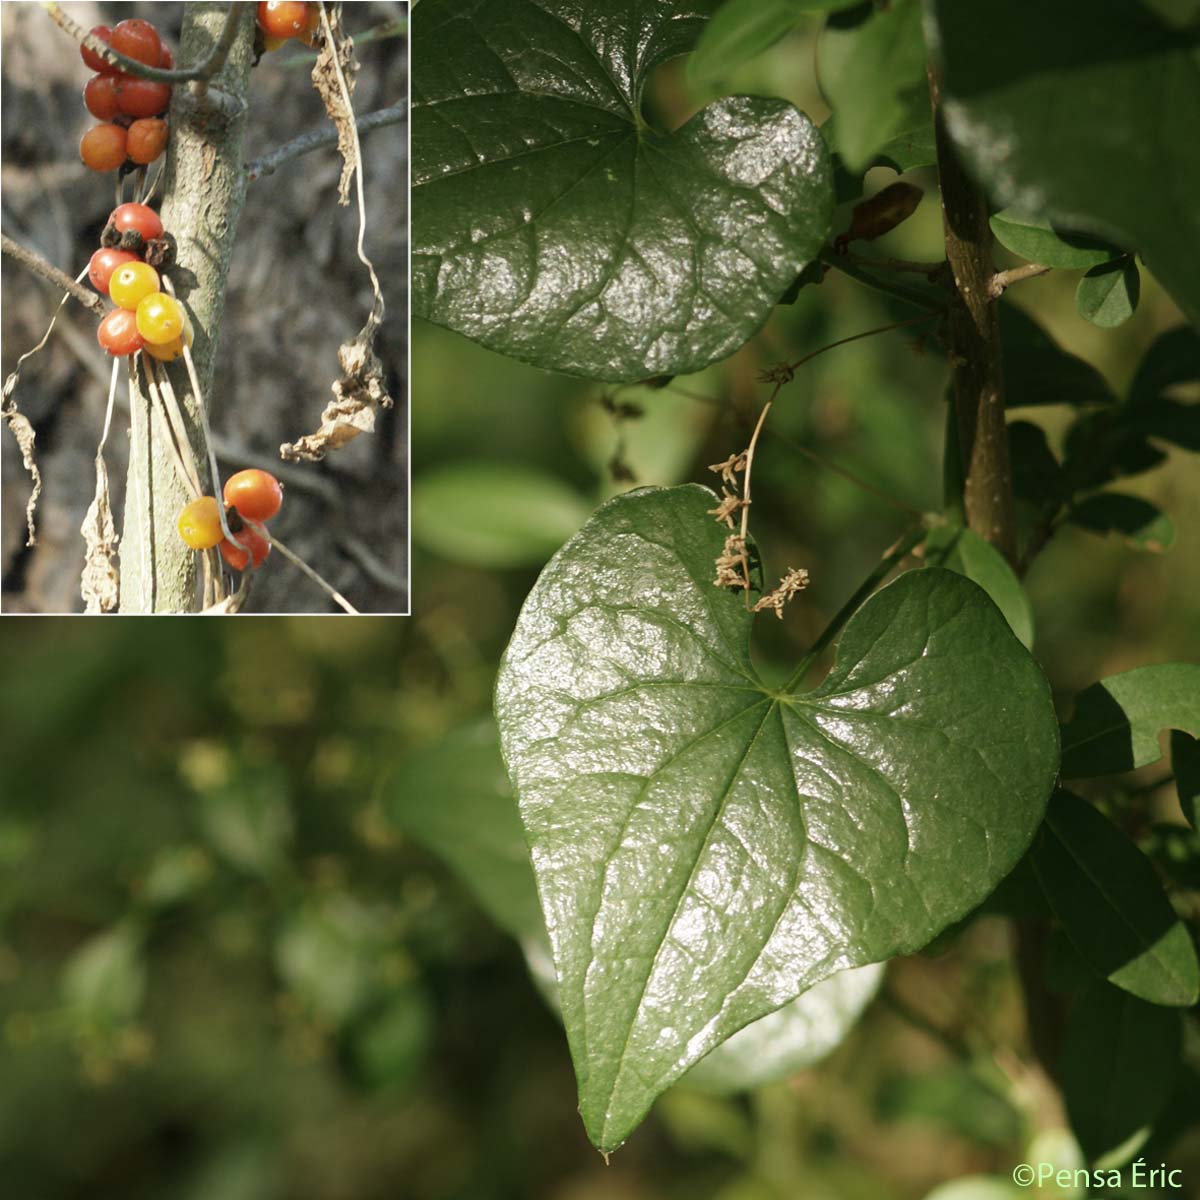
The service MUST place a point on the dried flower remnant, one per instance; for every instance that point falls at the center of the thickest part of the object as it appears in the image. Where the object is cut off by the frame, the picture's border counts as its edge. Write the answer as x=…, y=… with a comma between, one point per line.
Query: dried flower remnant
x=795, y=581
x=731, y=504
x=733, y=564
x=730, y=467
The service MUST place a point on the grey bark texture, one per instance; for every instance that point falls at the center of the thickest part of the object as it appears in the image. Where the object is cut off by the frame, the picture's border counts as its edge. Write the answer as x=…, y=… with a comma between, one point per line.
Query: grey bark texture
x=204, y=189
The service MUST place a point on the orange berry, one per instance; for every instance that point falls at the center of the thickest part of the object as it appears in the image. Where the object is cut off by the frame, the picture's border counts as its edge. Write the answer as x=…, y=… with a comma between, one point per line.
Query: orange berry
x=102, y=148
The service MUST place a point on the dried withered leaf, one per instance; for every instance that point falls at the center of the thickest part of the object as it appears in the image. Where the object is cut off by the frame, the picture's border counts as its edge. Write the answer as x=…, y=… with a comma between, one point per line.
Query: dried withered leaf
x=881, y=213
x=325, y=80
x=357, y=394
x=23, y=431
x=100, y=583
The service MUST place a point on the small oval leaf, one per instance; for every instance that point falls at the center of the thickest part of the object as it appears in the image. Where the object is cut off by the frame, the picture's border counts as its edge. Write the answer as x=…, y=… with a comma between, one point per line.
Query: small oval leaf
x=1108, y=294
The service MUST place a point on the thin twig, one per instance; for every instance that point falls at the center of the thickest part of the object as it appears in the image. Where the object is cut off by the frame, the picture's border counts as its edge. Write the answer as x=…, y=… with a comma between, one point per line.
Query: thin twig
x=297, y=561
x=865, y=334
x=1004, y=279
x=929, y=270
x=202, y=72
x=839, y=262
x=896, y=554
x=39, y=266
x=268, y=164
x=176, y=438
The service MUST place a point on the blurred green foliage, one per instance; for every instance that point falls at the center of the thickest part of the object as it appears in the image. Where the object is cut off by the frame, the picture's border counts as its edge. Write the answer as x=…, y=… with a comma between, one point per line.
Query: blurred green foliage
x=225, y=972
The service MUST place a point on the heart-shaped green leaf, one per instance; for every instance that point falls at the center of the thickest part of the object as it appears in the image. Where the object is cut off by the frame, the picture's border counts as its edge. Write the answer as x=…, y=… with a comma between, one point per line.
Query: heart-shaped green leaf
x=552, y=224
x=706, y=847
x=1085, y=115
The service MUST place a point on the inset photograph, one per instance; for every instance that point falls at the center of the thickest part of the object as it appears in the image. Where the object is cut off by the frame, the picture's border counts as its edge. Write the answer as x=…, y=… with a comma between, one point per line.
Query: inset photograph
x=205, y=308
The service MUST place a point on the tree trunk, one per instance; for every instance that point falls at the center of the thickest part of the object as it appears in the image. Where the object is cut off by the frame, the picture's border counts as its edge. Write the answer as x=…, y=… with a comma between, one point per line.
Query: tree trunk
x=205, y=186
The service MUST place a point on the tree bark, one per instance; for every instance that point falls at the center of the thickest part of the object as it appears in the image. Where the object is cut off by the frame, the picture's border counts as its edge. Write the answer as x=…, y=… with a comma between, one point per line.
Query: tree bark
x=204, y=189
x=974, y=331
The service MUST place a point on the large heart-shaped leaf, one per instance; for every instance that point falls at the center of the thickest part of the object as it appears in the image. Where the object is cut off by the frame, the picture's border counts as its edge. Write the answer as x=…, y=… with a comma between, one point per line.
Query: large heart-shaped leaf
x=707, y=847
x=552, y=224
x=1084, y=115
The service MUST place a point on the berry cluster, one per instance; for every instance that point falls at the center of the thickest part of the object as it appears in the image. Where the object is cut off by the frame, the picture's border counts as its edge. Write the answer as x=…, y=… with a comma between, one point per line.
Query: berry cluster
x=146, y=318
x=131, y=109
x=282, y=22
x=251, y=497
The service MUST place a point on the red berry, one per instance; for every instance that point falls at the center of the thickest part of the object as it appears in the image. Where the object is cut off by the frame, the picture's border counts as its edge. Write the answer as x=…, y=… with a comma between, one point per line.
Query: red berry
x=147, y=139
x=118, y=333
x=137, y=216
x=200, y=524
x=257, y=495
x=168, y=60
x=283, y=20
x=102, y=265
x=312, y=27
x=258, y=548
x=102, y=148
x=142, y=97
x=138, y=40
x=93, y=60
x=100, y=96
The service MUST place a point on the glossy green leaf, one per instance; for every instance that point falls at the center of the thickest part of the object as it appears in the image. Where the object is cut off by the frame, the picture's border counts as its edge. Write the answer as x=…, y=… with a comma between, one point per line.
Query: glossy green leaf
x=1108, y=294
x=792, y=1038
x=707, y=848
x=1142, y=524
x=1036, y=241
x=742, y=29
x=1111, y=905
x=1185, y=762
x=494, y=514
x=1120, y=1059
x=1038, y=371
x=473, y=825
x=874, y=75
x=964, y=551
x=1117, y=721
x=1084, y=114
x=552, y=224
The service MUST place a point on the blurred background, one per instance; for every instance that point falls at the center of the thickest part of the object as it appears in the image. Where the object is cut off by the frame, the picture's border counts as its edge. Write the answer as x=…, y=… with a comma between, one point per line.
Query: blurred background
x=296, y=292
x=255, y=879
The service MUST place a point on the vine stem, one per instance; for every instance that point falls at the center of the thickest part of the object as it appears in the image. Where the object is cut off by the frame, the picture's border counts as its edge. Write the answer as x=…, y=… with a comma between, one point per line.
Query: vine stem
x=838, y=262
x=974, y=336
x=895, y=555
x=200, y=74
x=297, y=561
x=854, y=337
